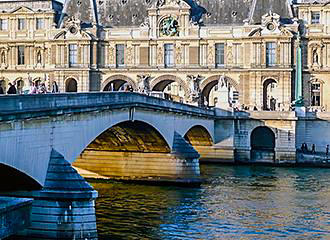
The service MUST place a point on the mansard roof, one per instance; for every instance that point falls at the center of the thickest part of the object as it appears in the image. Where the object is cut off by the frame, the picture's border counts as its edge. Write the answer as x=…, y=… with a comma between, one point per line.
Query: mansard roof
x=117, y=13
x=34, y=5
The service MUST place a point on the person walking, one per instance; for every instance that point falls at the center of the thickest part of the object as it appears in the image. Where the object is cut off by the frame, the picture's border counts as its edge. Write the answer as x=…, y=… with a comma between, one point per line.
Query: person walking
x=327, y=150
x=54, y=87
x=12, y=89
x=313, y=148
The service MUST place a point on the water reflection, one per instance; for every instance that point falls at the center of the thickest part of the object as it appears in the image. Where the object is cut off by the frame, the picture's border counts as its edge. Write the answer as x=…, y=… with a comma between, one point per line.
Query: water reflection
x=234, y=203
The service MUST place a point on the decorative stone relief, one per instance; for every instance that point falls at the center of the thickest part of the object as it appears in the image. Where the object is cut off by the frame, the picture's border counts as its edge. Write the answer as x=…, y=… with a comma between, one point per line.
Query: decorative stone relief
x=169, y=27
x=111, y=55
x=160, y=55
x=210, y=54
x=229, y=54
x=179, y=54
x=129, y=55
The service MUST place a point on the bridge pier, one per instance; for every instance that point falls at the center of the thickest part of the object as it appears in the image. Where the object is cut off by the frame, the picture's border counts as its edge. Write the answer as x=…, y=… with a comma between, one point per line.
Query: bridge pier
x=64, y=208
x=215, y=154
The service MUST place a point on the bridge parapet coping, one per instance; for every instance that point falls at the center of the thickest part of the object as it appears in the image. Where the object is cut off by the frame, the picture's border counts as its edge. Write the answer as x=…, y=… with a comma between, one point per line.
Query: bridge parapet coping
x=267, y=115
x=19, y=104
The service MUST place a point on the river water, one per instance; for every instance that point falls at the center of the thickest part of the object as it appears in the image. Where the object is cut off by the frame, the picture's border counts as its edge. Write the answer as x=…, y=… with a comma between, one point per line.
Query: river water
x=235, y=202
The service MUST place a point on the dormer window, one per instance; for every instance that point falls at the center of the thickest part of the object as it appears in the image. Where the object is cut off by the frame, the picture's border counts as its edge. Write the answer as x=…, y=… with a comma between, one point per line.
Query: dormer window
x=39, y=23
x=315, y=18
x=3, y=25
x=21, y=24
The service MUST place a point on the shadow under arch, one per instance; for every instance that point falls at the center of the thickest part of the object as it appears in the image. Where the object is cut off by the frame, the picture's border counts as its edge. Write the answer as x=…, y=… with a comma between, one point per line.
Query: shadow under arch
x=127, y=150
x=262, y=142
x=198, y=136
x=114, y=83
x=15, y=180
x=130, y=136
x=209, y=83
x=160, y=83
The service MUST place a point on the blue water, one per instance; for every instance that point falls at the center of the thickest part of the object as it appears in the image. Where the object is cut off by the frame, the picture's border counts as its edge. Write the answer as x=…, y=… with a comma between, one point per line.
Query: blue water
x=235, y=202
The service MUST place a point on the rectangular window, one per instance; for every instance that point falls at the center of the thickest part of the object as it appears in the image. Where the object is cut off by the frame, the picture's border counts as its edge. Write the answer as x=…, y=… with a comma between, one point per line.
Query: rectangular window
x=168, y=55
x=120, y=55
x=20, y=55
x=39, y=23
x=73, y=56
x=219, y=54
x=315, y=17
x=3, y=25
x=270, y=54
x=316, y=94
x=21, y=24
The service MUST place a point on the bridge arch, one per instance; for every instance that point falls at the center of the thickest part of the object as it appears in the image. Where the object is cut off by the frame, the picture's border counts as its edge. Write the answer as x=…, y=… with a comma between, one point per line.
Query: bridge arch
x=161, y=82
x=115, y=82
x=18, y=180
x=134, y=136
x=198, y=135
x=126, y=149
x=262, y=138
x=208, y=84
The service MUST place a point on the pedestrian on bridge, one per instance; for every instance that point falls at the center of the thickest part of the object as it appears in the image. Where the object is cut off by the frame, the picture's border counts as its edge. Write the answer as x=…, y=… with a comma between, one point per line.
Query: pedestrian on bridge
x=327, y=150
x=12, y=89
x=313, y=148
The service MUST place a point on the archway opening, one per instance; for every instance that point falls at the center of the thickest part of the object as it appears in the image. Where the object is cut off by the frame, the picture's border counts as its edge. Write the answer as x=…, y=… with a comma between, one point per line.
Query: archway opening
x=169, y=89
x=262, y=144
x=127, y=149
x=220, y=93
x=270, y=95
x=3, y=87
x=118, y=85
x=71, y=85
x=14, y=180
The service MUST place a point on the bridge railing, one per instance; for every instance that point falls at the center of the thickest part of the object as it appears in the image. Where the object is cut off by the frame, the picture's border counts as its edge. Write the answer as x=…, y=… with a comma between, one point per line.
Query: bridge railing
x=16, y=104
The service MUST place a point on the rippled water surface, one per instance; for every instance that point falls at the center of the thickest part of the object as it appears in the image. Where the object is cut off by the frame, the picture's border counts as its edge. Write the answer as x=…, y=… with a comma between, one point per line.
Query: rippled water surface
x=235, y=202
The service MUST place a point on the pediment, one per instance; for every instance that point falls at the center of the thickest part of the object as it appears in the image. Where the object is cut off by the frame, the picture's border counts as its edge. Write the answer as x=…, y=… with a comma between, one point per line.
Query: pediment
x=68, y=34
x=21, y=10
x=255, y=32
x=164, y=4
x=271, y=31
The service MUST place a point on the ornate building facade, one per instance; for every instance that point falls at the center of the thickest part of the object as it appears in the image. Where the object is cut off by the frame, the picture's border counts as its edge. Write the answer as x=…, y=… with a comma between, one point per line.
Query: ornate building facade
x=219, y=53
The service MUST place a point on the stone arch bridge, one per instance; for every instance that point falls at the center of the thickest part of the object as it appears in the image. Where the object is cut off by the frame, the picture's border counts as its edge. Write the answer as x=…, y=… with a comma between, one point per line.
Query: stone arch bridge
x=128, y=136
